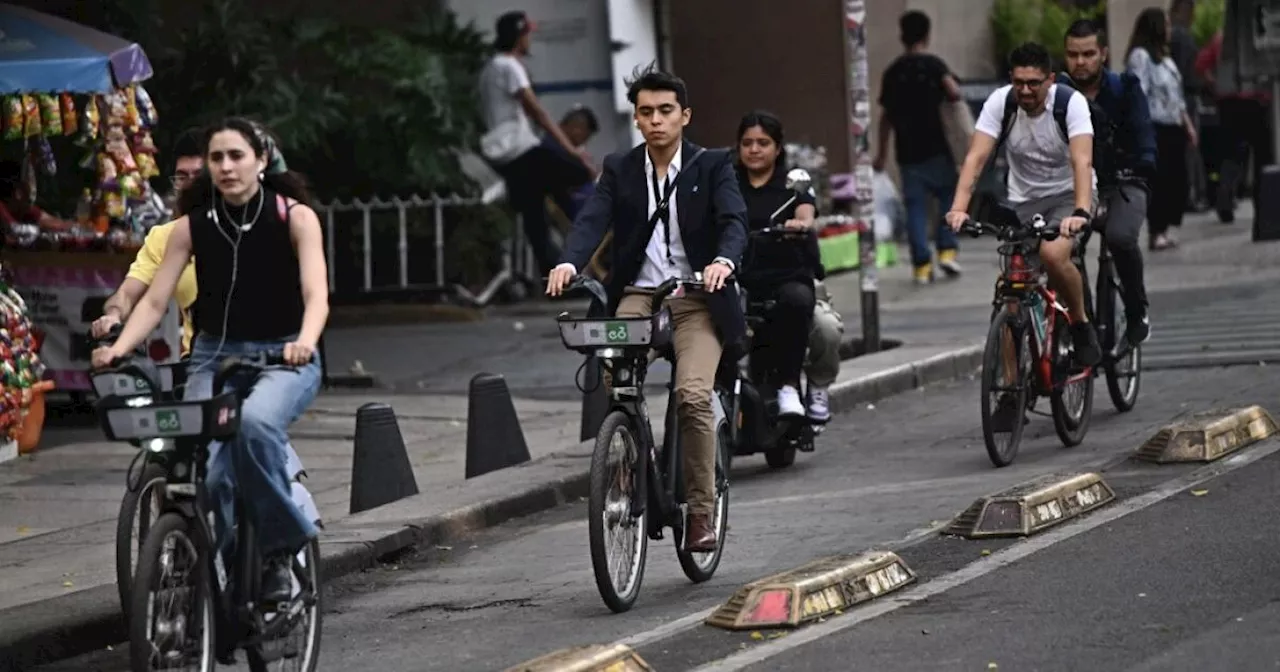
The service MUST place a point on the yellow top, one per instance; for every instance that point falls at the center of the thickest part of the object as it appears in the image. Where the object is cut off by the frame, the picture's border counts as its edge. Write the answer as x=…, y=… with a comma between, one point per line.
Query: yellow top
x=144, y=267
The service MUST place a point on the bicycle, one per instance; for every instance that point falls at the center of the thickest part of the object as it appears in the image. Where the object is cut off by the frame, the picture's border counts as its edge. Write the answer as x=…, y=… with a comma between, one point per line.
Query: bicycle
x=226, y=615
x=1028, y=351
x=625, y=441
x=1121, y=360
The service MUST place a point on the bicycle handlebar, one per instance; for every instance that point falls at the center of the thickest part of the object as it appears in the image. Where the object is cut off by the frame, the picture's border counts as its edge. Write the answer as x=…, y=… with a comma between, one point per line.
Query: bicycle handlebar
x=669, y=288
x=781, y=233
x=255, y=363
x=1022, y=232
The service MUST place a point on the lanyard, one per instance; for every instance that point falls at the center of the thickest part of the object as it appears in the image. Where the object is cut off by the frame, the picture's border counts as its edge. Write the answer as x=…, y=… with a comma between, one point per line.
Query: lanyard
x=664, y=209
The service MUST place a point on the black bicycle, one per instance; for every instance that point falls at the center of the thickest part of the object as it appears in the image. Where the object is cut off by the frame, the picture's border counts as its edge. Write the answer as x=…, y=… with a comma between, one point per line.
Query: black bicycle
x=626, y=461
x=186, y=609
x=144, y=480
x=1121, y=360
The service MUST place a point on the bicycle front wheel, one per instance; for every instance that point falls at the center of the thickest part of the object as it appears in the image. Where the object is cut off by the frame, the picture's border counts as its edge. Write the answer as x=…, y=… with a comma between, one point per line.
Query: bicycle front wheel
x=1006, y=384
x=171, y=620
x=139, y=508
x=618, y=539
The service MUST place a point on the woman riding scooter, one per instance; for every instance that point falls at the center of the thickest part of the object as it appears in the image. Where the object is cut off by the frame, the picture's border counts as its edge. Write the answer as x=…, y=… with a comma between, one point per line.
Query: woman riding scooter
x=777, y=269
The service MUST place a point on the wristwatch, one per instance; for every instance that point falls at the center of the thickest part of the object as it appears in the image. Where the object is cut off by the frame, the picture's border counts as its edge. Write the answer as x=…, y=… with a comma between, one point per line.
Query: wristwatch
x=1081, y=212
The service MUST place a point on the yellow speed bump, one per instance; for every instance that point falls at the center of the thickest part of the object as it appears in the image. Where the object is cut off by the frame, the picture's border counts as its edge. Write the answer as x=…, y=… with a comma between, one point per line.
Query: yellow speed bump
x=811, y=591
x=1032, y=506
x=1207, y=436
x=592, y=658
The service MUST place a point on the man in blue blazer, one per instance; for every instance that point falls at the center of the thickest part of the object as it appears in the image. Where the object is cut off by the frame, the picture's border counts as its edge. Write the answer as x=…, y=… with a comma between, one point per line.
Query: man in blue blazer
x=703, y=226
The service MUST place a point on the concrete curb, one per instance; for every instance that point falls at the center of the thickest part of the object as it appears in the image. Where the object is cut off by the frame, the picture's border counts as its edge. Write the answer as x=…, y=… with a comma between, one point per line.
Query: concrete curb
x=90, y=620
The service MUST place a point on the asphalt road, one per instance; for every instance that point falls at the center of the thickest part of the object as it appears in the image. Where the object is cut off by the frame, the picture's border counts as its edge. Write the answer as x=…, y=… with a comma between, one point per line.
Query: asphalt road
x=880, y=475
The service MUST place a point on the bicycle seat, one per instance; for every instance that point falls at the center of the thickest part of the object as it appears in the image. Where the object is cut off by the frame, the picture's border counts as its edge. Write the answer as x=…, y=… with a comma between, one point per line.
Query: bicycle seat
x=139, y=417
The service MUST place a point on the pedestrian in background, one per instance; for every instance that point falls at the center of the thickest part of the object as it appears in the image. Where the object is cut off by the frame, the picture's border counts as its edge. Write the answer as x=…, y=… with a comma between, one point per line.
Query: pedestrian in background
x=1183, y=49
x=915, y=87
x=1148, y=58
x=1245, y=128
x=531, y=170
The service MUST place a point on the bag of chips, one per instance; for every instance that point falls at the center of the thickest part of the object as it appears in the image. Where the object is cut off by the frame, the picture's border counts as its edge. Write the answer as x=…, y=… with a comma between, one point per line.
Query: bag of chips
x=146, y=108
x=15, y=121
x=50, y=114
x=31, y=112
x=70, y=120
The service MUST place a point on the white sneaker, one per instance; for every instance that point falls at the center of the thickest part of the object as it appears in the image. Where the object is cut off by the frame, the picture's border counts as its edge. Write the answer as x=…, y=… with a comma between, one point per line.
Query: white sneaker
x=789, y=402
x=819, y=404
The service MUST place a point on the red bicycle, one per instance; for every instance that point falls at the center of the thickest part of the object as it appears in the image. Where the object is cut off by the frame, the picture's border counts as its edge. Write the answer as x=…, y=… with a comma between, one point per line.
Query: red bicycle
x=1029, y=352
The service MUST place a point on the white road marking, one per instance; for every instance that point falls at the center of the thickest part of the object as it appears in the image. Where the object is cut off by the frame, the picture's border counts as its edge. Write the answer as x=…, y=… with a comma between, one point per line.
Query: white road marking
x=988, y=564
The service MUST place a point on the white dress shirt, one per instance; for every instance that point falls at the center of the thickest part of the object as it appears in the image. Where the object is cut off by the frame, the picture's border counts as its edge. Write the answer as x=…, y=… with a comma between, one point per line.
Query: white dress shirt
x=663, y=257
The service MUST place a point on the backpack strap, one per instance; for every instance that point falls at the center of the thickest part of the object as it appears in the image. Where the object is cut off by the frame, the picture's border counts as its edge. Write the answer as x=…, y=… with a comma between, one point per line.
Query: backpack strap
x=1060, y=103
x=283, y=206
x=1006, y=122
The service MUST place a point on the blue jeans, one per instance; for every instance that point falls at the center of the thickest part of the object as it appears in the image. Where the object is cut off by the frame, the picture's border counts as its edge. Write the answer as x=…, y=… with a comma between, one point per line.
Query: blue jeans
x=932, y=177
x=256, y=462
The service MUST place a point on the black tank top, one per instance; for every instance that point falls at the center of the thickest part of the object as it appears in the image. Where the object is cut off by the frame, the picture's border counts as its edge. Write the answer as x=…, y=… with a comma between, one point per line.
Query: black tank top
x=266, y=300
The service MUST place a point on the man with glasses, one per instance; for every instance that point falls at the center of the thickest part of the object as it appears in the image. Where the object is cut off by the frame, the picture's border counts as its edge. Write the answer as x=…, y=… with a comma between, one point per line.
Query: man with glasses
x=187, y=167
x=1047, y=130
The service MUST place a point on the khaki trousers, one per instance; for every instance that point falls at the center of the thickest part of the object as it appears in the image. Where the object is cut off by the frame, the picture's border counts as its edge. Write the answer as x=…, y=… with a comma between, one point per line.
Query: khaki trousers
x=697, y=349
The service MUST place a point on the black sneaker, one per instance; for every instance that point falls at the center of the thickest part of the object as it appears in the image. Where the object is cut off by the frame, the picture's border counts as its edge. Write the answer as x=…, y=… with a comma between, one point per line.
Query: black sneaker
x=277, y=580
x=1138, y=329
x=1083, y=336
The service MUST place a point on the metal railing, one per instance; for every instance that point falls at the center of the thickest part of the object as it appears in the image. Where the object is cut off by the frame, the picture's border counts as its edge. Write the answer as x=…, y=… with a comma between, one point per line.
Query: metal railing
x=369, y=227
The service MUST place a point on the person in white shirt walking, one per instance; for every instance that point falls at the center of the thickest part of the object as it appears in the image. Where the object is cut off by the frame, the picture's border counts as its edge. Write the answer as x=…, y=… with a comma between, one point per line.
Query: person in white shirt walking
x=532, y=171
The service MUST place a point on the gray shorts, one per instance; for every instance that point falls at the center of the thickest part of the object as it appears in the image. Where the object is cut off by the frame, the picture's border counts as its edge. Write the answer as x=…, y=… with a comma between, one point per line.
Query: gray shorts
x=1054, y=208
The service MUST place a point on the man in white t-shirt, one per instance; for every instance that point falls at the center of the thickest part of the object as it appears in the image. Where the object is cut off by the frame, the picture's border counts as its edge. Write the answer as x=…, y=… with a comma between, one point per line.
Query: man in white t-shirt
x=1048, y=174
x=510, y=108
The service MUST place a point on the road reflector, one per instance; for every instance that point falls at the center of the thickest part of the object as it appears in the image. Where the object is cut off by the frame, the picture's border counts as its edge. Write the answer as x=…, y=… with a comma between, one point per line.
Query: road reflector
x=1207, y=436
x=813, y=590
x=1032, y=506
x=591, y=658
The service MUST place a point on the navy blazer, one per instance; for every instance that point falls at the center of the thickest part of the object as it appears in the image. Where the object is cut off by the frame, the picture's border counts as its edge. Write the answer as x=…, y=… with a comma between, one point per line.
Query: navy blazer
x=711, y=212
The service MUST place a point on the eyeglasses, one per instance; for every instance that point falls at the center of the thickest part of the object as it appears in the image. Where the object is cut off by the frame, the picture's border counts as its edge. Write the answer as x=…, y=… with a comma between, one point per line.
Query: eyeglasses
x=1027, y=83
x=181, y=179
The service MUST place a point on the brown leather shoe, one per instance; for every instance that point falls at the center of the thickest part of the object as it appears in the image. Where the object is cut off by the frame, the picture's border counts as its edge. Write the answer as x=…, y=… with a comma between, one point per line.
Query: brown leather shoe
x=700, y=537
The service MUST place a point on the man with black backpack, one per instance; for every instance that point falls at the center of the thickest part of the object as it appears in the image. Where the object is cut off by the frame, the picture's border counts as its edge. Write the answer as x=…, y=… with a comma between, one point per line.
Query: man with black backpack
x=1050, y=172
x=1124, y=144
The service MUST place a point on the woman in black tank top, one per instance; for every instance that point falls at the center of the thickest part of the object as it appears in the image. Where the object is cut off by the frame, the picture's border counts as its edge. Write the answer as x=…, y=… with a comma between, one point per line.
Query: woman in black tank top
x=262, y=286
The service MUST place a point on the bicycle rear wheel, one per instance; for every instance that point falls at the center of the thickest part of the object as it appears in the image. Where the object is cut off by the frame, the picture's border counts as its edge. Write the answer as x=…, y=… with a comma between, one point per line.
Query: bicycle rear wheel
x=618, y=540
x=171, y=620
x=1006, y=382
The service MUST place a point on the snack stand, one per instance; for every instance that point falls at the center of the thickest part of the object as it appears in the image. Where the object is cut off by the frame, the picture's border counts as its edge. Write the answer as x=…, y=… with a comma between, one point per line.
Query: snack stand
x=61, y=79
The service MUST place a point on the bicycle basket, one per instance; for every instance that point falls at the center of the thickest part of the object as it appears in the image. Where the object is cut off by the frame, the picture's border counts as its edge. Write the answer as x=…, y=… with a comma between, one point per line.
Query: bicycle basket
x=1019, y=264
x=653, y=331
x=139, y=417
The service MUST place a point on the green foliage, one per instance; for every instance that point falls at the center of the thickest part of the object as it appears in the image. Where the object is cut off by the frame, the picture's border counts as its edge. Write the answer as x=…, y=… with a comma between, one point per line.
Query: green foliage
x=360, y=110
x=1209, y=18
x=1014, y=22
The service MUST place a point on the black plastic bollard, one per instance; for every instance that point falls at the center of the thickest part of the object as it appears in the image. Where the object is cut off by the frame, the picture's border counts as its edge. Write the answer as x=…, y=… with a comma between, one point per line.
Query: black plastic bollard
x=380, y=468
x=495, y=439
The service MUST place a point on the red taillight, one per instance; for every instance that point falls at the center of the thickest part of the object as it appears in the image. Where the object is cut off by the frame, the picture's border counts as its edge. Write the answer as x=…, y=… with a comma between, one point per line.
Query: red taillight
x=159, y=350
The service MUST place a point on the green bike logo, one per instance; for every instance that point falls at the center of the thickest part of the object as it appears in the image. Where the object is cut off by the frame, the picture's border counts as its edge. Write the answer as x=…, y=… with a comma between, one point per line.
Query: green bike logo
x=168, y=421
x=615, y=332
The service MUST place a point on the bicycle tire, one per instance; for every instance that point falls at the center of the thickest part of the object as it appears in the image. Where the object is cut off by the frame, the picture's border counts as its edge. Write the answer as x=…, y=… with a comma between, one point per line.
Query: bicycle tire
x=699, y=572
x=311, y=648
x=600, y=477
x=990, y=366
x=149, y=565
x=1123, y=400
x=125, y=542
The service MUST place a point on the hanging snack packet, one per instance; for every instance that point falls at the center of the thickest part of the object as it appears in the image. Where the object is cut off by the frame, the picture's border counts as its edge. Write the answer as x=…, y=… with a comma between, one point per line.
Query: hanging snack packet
x=91, y=123
x=132, y=120
x=146, y=108
x=50, y=114
x=70, y=120
x=31, y=112
x=15, y=122
x=44, y=157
